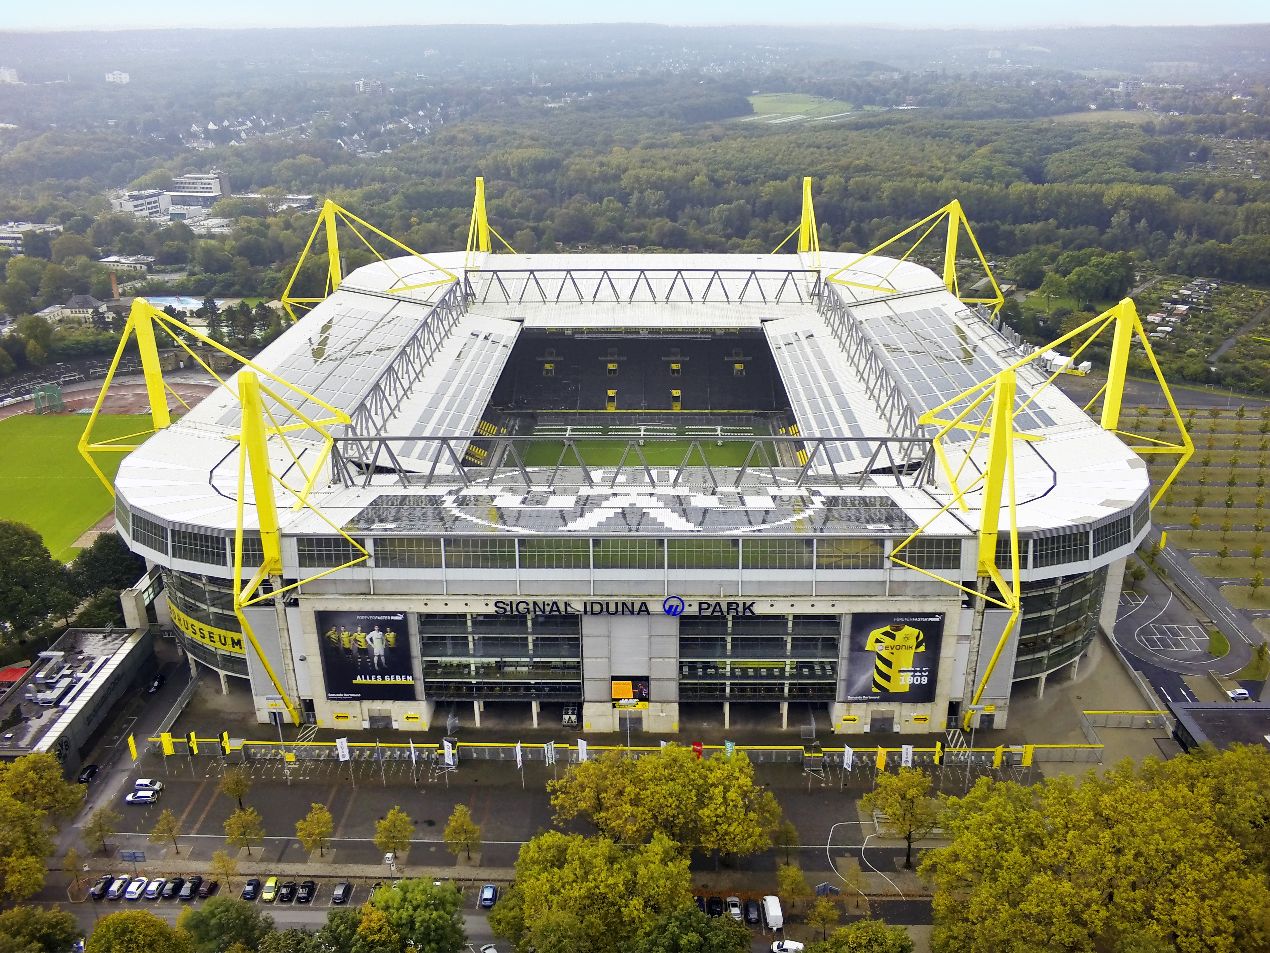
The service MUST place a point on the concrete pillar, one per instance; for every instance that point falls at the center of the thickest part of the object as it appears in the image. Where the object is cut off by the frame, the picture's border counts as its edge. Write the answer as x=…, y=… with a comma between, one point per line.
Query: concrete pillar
x=193, y=665
x=476, y=712
x=1040, y=686
x=534, y=709
x=727, y=715
x=1076, y=665
x=784, y=715
x=224, y=683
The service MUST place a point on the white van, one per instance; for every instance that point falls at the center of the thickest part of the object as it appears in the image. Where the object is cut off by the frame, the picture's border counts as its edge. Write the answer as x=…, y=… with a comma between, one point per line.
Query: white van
x=773, y=918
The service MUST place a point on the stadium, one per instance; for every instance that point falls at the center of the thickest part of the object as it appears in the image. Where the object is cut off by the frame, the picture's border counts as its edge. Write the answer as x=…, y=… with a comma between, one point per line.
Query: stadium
x=638, y=492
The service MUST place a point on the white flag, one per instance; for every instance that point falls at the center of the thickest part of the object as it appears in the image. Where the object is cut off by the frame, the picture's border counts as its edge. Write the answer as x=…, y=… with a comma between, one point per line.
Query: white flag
x=341, y=749
x=520, y=758
x=447, y=753
x=549, y=752
x=581, y=750
x=906, y=756
x=412, y=754
x=848, y=757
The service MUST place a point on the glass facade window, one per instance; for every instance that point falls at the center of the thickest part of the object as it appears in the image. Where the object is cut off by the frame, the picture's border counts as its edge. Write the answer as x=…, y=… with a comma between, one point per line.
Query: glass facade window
x=253, y=550
x=407, y=552
x=703, y=553
x=1142, y=514
x=147, y=532
x=538, y=553
x=628, y=554
x=199, y=547
x=1112, y=535
x=122, y=516
x=932, y=553
x=324, y=552
x=1055, y=550
x=759, y=553
x=467, y=553
x=849, y=553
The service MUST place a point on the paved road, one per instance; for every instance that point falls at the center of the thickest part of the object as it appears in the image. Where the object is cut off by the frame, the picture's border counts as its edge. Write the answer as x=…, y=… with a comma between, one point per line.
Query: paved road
x=1233, y=622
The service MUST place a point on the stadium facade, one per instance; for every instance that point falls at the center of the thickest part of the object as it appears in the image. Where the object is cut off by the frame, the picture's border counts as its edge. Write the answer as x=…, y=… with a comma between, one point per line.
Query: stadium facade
x=645, y=488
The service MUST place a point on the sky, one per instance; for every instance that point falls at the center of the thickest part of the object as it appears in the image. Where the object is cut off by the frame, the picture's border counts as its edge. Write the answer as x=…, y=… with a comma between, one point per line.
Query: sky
x=1003, y=14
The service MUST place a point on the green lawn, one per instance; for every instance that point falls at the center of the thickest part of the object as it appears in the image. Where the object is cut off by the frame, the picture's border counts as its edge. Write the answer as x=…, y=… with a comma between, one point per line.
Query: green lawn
x=797, y=104
x=47, y=485
x=661, y=453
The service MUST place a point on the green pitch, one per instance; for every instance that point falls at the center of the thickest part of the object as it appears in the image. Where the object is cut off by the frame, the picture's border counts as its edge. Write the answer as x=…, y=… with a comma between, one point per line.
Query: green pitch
x=46, y=484
x=659, y=453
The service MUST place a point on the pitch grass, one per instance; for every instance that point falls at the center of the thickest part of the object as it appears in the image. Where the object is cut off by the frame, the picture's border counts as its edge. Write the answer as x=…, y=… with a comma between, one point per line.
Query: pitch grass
x=47, y=485
x=797, y=104
x=658, y=453
x=1218, y=644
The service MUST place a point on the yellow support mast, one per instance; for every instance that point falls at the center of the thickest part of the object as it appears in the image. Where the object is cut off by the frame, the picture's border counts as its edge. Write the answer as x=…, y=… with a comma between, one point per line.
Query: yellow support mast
x=479, y=229
x=808, y=236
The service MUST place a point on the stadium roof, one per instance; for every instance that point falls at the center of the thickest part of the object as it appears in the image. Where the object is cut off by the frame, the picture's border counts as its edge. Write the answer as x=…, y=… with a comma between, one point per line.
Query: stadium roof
x=411, y=354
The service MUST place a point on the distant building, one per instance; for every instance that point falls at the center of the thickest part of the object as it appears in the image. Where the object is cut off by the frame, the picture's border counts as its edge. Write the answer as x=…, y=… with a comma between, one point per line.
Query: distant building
x=141, y=263
x=8, y=75
x=11, y=234
x=366, y=87
x=199, y=189
x=78, y=310
x=148, y=203
x=118, y=78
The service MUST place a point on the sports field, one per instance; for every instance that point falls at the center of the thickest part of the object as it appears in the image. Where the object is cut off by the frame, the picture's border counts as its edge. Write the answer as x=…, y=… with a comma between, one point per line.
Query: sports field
x=47, y=485
x=723, y=446
x=795, y=108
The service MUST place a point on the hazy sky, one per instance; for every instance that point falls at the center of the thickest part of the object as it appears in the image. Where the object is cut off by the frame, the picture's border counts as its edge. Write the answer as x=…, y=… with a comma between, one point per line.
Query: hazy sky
x=93, y=14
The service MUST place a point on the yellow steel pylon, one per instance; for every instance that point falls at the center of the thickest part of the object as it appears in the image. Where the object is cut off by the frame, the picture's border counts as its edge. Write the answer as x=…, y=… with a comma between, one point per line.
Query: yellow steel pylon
x=955, y=218
x=330, y=217
x=479, y=229
x=808, y=236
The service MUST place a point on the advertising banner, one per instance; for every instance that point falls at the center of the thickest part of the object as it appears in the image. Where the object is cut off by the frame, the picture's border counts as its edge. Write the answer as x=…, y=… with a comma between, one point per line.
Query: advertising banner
x=630, y=691
x=366, y=655
x=893, y=656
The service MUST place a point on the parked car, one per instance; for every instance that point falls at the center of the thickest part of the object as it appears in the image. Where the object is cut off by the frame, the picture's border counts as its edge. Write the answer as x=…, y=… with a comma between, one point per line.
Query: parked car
x=489, y=896
x=87, y=773
x=286, y=893
x=700, y=902
x=734, y=908
x=208, y=888
x=190, y=890
x=752, y=915
x=98, y=890
x=136, y=888
x=172, y=888
x=116, y=889
x=306, y=891
x=1238, y=694
x=147, y=784
x=270, y=893
x=156, y=684
x=489, y=948
x=142, y=797
x=154, y=888
x=787, y=946
x=251, y=889
x=714, y=906
x=342, y=893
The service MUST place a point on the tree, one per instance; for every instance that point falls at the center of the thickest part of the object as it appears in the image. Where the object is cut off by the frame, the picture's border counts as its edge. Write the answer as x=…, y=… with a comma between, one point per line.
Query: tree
x=909, y=809
x=427, y=918
x=291, y=941
x=243, y=827
x=792, y=883
x=72, y=863
x=866, y=936
x=461, y=832
x=106, y=564
x=824, y=913
x=785, y=836
x=394, y=831
x=1256, y=552
x=314, y=830
x=562, y=899
x=688, y=930
x=1165, y=855
x=234, y=784
x=712, y=804
x=25, y=929
x=223, y=921
x=25, y=846
x=33, y=585
x=102, y=826
x=1256, y=582
x=166, y=828
x=137, y=931
x=1195, y=524
x=224, y=867
x=36, y=781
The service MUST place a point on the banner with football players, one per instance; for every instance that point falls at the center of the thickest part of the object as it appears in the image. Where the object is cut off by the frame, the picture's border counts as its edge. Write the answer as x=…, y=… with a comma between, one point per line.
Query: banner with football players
x=894, y=657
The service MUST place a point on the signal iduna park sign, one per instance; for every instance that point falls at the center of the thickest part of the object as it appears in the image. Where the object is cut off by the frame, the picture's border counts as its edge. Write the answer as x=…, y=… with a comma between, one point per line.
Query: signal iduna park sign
x=671, y=606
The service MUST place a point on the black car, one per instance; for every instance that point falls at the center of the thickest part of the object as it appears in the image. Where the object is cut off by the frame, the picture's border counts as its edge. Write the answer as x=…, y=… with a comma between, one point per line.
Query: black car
x=173, y=887
x=752, y=913
x=286, y=892
x=208, y=889
x=251, y=889
x=305, y=892
x=714, y=906
x=88, y=773
x=156, y=684
x=488, y=897
x=190, y=890
x=342, y=892
x=98, y=890
x=700, y=902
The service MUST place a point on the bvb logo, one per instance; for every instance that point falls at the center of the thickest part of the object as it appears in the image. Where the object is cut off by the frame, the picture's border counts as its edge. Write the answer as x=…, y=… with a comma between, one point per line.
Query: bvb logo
x=672, y=606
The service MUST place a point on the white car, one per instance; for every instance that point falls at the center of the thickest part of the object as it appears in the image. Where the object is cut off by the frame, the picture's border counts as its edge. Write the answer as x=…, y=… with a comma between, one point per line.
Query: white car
x=154, y=888
x=147, y=784
x=136, y=888
x=1238, y=694
x=734, y=908
x=142, y=797
x=117, y=888
x=787, y=946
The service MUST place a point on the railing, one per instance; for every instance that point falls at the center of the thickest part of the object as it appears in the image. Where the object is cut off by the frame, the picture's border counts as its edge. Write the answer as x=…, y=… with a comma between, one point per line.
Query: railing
x=598, y=285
